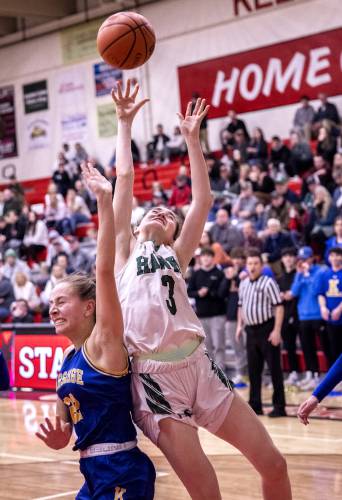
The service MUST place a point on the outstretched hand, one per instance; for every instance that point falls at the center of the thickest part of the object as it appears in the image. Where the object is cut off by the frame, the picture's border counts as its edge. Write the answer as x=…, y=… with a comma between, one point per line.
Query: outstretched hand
x=190, y=123
x=126, y=107
x=306, y=408
x=96, y=182
x=55, y=437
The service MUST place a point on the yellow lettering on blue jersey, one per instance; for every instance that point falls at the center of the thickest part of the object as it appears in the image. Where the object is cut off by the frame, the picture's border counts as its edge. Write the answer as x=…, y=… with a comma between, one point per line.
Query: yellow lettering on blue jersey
x=73, y=376
x=333, y=290
x=119, y=493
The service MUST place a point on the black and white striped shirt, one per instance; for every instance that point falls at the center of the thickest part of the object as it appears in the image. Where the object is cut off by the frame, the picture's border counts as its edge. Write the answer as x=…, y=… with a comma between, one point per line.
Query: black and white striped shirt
x=257, y=299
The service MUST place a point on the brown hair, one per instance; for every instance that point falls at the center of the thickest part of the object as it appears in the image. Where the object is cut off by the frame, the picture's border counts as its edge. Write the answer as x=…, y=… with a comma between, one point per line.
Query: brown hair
x=84, y=285
x=254, y=252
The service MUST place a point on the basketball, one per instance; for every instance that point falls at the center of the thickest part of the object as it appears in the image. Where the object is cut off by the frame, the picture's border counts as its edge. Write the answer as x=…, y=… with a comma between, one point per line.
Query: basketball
x=126, y=40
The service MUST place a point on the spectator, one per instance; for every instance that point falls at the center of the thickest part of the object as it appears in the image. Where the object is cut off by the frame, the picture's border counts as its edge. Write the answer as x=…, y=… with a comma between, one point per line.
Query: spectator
x=229, y=291
x=224, y=233
x=13, y=265
x=260, y=218
x=335, y=240
x=250, y=238
x=337, y=194
x=89, y=243
x=20, y=312
x=61, y=179
x=57, y=244
x=261, y=313
x=303, y=118
x=262, y=183
x=244, y=172
x=12, y=202
x=135, y=155
x=301, y=154
x=57, y=273
x=278, y=209
x=111, y=177
x=24, y=289
x=290, y=325
x=327, y=114
x=203, y=287
x=257, y=148
x=156, y=150
x=181, y=195
x=326, y=145
x=222, y=183
x=55, y=209
x=175, y=146
x=274, y=243
x=282, y=188
x=2, y=206
x=234, y=125
x=310, y=321
x=79, y=259
x=321, y=219
x=220, y=256
x=90, y=200
x=329, y=291
x=14, y=230
x=77, y=212
x=62, y=260
x=81, y=154
x=6, y=295
x=244, y=206
x=240, y=147
x=36, y=237
x=280, y=156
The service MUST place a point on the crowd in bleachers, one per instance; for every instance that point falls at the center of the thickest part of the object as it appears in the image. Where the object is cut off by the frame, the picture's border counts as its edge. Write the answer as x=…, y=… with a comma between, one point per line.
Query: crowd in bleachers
x=278, y=197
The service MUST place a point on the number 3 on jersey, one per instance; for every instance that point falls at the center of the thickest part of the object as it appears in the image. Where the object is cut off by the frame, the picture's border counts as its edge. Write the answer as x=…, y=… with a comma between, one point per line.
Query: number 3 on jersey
x=169, y=282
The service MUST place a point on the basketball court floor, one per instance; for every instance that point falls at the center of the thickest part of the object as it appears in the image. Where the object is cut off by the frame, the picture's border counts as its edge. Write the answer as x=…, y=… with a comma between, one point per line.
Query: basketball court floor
x=31, y=471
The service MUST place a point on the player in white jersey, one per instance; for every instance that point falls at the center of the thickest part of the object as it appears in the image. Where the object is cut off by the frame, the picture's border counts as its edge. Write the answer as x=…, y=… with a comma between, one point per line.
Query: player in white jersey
x=175, y=386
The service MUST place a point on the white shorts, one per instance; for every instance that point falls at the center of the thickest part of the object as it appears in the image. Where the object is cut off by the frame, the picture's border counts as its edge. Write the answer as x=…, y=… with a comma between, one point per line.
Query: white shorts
x=194, y=391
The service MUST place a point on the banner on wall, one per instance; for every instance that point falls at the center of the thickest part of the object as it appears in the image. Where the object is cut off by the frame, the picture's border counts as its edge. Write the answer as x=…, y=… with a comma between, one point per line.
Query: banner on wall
x=8, y=139
x=71, y=96
x=78, y=43
x=35, y=96
x=106, y=120
x=37, y=133
x=105, y=78
x=37, y=359
x=276, y=75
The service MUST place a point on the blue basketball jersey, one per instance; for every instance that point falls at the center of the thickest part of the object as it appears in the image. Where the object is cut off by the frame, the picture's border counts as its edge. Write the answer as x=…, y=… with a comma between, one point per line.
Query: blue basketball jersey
x=99, y=403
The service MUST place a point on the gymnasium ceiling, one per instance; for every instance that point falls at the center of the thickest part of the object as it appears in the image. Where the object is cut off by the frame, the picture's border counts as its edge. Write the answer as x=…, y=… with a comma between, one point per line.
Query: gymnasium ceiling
x=24, y=19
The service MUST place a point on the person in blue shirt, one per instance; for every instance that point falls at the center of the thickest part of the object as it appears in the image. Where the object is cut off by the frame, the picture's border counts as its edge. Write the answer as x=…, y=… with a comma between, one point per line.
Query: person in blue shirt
x=329, y=291
x=332, y=378
x=335, y=240
x=310, y=321
x=4, y=375
x=93, y=386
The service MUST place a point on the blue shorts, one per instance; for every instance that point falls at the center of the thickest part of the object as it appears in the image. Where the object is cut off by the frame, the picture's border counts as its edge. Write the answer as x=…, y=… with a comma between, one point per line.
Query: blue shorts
x=127, y=475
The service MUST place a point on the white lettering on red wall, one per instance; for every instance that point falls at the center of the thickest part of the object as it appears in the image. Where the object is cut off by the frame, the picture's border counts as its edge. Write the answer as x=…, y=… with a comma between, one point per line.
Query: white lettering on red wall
x=267, y=77
x=38, y=358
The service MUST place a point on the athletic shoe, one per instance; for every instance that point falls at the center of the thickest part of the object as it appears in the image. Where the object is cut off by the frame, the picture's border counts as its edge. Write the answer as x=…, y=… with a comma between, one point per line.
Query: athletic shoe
x=311, y=384
x=306, y=379
x=277, y=413
x=238, y=381
x=292, y=379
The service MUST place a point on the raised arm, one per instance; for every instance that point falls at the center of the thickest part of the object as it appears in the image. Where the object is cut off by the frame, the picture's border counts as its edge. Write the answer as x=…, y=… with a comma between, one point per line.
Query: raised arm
x=105, y=345
x=197, y=215
x=126, y=109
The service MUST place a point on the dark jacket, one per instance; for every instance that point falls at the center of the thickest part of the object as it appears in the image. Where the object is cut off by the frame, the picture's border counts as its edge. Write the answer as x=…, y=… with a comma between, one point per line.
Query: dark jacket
x=211, y=304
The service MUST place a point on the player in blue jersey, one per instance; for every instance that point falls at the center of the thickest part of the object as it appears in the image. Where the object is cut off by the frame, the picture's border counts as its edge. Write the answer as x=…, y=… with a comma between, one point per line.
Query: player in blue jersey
x=332, y=378
x=93, y=385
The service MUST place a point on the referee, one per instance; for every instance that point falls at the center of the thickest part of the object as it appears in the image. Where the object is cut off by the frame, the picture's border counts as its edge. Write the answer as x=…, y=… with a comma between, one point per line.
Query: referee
x=261, y=313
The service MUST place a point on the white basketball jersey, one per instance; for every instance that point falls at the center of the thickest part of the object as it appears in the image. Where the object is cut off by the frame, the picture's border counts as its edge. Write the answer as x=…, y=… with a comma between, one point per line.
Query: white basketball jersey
x=155, y=306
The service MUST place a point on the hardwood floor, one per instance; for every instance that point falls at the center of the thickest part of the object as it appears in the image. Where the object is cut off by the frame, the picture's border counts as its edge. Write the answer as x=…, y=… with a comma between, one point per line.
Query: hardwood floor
x=31, y=471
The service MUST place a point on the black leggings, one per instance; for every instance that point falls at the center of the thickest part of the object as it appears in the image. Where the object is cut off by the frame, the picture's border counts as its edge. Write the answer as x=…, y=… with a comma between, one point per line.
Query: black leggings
x=308, y=331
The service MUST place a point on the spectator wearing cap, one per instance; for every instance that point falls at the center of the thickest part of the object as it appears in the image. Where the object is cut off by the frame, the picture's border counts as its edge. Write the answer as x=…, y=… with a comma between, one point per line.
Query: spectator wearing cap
x=282, y=188
x=6, y=295
x=279, y=209
x=181, y=195
x=13, y=265
x=303, y=118
x=335, y=240
x=210, y=308
x=223, y=232
x=290, y=325
x=280, y=156
x=310, y=320
x=274, y=243
x=244, y=206
x=329, y=291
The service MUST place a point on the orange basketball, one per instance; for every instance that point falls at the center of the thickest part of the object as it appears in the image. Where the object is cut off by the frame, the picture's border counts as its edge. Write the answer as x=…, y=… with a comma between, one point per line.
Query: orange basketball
x=126, y=40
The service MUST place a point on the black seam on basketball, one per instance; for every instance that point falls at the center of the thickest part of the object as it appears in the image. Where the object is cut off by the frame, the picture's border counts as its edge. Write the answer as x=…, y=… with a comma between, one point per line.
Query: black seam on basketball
x=145, y=42
x=131, y=49
x=114, y=41
x=116, y=24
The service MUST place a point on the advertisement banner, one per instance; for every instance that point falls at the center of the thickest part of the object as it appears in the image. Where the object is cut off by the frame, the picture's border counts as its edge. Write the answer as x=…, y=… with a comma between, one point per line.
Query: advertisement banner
x=8, y=139
x=35, y=96
x=72, y=105
x=106, y=120
x=105, y=78
x=276, y=75
x=37, y=360
x=79, y=42
x=37, y=133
